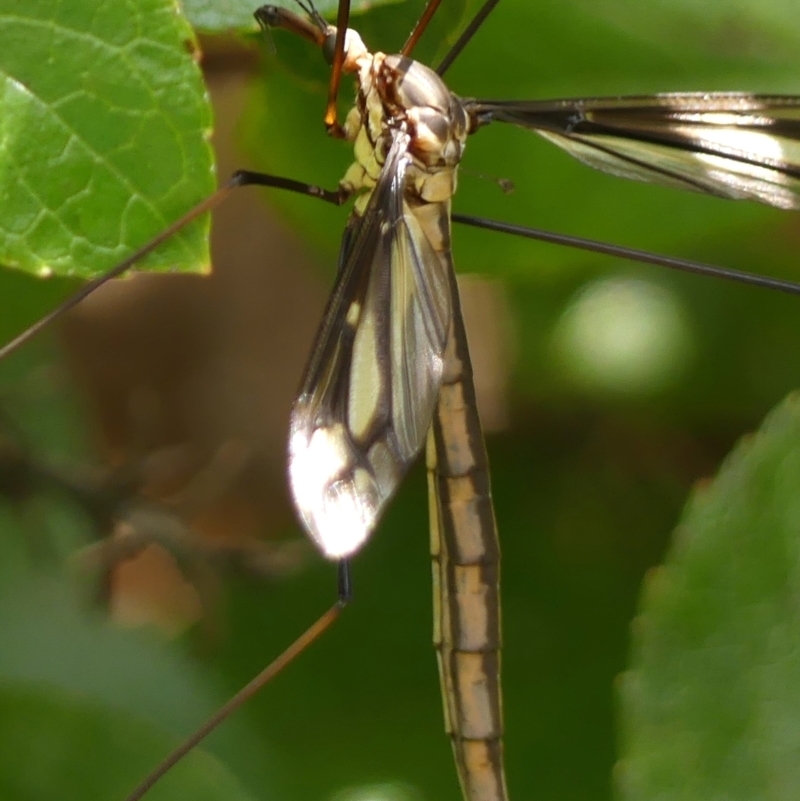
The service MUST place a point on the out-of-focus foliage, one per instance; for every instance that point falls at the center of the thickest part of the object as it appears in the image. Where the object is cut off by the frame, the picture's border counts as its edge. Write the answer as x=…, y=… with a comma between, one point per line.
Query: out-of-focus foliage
x=223, y=16
x=54, y=743
x=617, y=410
x=711, y=701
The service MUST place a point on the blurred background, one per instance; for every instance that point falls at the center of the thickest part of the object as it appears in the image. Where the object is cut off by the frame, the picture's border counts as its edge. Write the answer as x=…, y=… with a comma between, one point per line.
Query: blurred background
x=608, y=390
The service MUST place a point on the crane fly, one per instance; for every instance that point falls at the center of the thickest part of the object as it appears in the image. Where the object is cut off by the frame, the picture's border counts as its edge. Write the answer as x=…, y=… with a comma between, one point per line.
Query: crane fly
x=390, y=369
x=391, y=365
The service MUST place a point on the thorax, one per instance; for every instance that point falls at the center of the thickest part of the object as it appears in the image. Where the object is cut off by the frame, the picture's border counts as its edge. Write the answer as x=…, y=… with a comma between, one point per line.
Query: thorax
x=397, y=93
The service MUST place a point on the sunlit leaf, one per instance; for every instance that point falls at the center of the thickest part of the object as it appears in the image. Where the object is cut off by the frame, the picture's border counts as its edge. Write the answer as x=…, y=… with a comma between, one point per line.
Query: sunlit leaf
x=105, y=127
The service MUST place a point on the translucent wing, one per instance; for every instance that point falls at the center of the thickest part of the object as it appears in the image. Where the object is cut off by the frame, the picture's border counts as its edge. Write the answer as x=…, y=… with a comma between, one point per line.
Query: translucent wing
x=368, y=394
x=732, y=145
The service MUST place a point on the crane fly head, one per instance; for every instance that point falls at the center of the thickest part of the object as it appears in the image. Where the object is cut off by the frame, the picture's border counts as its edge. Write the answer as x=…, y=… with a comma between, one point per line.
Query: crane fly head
x=316, y=30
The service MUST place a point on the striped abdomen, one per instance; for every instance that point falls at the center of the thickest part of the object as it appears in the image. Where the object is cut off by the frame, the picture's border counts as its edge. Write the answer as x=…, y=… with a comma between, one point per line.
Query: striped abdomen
x=466, y=553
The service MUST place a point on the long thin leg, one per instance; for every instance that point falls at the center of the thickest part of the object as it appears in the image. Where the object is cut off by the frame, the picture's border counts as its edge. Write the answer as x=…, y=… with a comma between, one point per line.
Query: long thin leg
x=342, y=21
x=321, y=625
x=238, y=179
x=315, y=30
x=419, y=28
x=463, y=40
x=592, y=245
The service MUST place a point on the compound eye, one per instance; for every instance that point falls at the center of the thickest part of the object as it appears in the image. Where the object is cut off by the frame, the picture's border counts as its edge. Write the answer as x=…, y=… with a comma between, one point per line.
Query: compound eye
x=269, y=15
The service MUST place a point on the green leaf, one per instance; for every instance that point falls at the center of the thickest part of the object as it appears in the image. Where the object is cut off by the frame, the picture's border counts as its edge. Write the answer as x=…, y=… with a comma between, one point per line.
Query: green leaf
x=105, y=127
x=58, y=745
x=711, y=705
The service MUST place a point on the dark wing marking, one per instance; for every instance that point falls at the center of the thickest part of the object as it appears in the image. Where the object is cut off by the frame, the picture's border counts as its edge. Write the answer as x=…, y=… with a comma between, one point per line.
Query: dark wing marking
x=733, y=145
x=368, y=394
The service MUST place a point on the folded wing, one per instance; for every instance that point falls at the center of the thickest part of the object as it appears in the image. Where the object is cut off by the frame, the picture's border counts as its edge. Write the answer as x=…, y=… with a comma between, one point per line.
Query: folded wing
x=368, y=394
